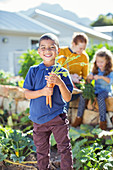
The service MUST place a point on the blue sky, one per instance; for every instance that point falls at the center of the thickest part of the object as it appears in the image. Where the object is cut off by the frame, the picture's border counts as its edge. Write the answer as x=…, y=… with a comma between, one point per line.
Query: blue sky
x=83, y=8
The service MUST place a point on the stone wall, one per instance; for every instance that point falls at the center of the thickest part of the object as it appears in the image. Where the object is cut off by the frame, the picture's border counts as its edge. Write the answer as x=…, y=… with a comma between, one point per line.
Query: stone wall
x=12, y=98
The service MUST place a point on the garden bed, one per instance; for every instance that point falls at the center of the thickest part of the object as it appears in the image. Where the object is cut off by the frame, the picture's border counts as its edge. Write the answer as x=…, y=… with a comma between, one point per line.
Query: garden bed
x=54, y=159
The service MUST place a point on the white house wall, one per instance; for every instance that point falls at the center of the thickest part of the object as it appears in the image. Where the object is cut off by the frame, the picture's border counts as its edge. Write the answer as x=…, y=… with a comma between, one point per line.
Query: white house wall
x=65, y=34
x=66, y=31
x=15, y=43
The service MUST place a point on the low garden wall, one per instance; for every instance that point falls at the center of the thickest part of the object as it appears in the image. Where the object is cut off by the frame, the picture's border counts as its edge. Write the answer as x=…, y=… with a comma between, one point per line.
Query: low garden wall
x=12, y=98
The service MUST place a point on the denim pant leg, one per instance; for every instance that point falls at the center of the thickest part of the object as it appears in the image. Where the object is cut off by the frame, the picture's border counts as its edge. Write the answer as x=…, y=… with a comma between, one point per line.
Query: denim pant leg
x=102, y=105
x=81, y=106
x=61, y=134
x=41, y=136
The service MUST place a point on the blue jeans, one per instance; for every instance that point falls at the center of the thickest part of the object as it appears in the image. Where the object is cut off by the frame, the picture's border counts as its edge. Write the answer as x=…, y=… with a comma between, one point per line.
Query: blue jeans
x=101, y=103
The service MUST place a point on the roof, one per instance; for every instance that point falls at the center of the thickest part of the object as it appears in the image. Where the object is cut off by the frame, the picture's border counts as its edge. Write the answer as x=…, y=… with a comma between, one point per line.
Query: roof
x=104, y=28
x=73, y=24
x=16, y=22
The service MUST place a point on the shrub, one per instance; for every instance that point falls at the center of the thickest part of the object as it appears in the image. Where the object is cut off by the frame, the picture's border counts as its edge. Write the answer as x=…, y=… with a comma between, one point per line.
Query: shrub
x=91, y=50
x=5, y=78
x=31, y=57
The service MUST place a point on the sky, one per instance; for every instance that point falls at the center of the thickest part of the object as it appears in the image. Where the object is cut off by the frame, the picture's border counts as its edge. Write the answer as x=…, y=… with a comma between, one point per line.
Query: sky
x=83, y=8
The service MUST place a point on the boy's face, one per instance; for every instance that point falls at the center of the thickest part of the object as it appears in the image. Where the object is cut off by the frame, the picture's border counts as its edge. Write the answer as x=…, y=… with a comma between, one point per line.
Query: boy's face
x=78, y=48
x=48, y=50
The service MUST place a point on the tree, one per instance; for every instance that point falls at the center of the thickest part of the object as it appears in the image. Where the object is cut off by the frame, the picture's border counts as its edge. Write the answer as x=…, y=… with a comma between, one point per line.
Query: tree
x=103, y=20
x=109, y=15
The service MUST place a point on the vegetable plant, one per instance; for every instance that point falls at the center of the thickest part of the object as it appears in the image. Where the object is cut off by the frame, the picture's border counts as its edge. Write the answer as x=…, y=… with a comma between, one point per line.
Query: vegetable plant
x=15, y=145
x=57, y=70
x=17, y=121
x=90, y=149
x=88, y=92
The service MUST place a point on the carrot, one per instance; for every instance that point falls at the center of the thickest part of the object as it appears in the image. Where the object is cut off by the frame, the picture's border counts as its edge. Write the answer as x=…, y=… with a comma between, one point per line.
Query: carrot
x=50, y=102
x=48, y=98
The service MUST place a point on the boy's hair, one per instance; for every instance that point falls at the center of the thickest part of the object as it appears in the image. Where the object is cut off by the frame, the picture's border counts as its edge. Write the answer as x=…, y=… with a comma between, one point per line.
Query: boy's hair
x=103, y=52
x=49, y=36
x=79, y=37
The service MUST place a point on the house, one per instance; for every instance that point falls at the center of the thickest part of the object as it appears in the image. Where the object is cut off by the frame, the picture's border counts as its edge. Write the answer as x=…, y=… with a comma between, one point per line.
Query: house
x=17, y=34
x=66, y=28
x=106, y=30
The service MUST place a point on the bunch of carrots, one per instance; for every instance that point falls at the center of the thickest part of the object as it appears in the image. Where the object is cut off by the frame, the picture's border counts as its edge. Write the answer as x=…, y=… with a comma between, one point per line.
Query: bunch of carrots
x=57, y=71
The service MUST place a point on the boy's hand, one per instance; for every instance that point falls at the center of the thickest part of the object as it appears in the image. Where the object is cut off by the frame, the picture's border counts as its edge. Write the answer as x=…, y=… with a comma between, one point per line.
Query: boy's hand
x=75, y=78
x=47, y=91
x=53, y=79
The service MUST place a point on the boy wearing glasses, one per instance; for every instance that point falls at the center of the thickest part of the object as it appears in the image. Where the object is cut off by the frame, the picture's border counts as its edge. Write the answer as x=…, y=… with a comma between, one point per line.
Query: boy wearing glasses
x=48, y=120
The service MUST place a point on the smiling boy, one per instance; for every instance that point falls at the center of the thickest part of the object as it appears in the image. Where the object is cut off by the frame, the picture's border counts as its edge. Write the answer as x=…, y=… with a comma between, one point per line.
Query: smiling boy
x=48, y=120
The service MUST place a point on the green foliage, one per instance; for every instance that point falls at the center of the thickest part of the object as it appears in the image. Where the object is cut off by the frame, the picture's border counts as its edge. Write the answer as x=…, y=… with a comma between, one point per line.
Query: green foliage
x=103, y=21
x=28, y=59
x=17, y=121
x=88, y=92
x=53, y=141
x=94, y=157
x=90, y=150
x=91, y=50
x=14, y=145
x=57, y=68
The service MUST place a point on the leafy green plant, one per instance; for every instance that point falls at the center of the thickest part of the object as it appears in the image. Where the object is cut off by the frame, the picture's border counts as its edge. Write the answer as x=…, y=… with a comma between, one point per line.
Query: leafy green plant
x=90, y=150
x=16, y=121
x=88, y=92
x=94, y=157
x=31, y=57
x=109, y=141
x=15, y=145
x=94, y=47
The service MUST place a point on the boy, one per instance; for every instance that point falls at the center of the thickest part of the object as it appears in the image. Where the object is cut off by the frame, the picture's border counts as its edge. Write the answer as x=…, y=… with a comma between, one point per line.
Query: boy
x=78, y=46
x=48, y=120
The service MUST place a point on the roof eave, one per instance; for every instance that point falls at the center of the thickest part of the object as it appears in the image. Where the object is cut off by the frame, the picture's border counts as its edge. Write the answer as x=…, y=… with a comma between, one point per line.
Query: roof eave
x=74, y=25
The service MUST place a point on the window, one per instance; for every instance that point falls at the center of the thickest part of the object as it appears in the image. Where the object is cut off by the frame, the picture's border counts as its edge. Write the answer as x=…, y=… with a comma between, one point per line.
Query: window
x=34, y=44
